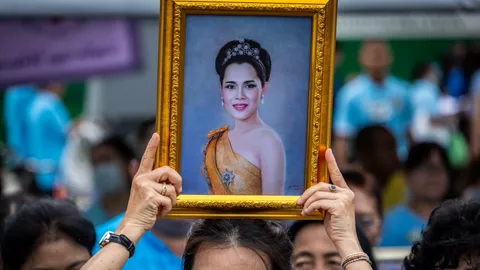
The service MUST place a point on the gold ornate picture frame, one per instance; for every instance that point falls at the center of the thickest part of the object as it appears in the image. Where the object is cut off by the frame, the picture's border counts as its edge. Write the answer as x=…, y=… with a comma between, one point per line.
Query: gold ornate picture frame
x=175, y=67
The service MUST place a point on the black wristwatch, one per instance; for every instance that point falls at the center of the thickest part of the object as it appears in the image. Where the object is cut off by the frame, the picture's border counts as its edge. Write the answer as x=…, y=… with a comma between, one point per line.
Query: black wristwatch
x=111, y=237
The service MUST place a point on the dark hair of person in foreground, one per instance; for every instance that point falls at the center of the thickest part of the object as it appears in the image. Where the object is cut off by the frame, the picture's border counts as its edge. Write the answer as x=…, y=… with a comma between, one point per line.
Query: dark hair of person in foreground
x=267, y=239
x=43, y=222
x=450, y=239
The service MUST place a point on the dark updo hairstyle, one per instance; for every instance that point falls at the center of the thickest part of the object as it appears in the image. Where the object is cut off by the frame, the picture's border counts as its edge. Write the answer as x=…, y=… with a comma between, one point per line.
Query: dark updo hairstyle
x=41, y=221
x=235, y=52
x=268, y=239
x=451, y=235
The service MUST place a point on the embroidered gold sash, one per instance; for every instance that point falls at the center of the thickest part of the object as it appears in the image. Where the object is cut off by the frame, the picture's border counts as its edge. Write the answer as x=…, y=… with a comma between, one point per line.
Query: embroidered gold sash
x=227, y=172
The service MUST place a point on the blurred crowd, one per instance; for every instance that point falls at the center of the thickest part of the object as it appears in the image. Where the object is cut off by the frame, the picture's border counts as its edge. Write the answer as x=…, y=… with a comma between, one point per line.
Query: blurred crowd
x=408, y=145
x=403, y=147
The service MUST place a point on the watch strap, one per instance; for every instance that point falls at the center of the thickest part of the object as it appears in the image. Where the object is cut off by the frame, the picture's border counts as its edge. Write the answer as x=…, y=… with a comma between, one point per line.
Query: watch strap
x=121, y=240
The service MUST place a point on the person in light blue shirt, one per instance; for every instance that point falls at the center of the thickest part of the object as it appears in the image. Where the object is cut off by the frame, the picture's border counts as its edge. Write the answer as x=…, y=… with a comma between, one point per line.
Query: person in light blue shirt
x=373, y=98
x=402, y=227
x=162, y=247
x=48, y=126
x=151, y=253
x=426, y=96
x=17, y=101
x=427, y=169
x=425, y=90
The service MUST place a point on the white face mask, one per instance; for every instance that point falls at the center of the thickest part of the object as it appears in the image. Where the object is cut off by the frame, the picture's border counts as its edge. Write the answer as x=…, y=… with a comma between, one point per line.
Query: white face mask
x=110, y=178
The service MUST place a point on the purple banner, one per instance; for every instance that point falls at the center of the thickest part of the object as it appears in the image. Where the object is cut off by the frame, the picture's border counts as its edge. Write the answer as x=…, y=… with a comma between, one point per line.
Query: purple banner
x=42, y=50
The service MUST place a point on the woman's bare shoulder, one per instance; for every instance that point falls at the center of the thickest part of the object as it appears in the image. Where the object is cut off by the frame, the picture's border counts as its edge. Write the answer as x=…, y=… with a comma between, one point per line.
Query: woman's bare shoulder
x=266, y=137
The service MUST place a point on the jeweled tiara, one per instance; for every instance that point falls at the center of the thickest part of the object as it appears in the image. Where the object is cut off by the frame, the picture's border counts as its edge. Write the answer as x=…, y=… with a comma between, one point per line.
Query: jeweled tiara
x=243, y=49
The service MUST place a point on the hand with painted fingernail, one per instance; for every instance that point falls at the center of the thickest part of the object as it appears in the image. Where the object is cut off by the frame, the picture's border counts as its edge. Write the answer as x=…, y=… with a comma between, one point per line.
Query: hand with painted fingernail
x=153, y=193
x=336, y=200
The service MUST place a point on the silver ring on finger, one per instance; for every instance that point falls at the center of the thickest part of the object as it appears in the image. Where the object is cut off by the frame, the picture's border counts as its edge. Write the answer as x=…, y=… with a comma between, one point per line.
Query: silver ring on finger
x=333, y=188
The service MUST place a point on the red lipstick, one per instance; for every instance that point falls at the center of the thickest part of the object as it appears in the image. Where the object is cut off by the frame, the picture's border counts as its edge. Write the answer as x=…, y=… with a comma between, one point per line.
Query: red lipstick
x=240, y=107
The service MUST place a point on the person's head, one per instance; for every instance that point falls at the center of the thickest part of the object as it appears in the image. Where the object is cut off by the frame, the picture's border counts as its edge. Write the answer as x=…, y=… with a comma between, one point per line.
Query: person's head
x=244, y=69
x=47, y=234
x=313, y=249
x=111, y=159
x=375, y=58
x=427, y=169
x=237, y=245
x=450, y=240
x=427, y=71
x=459, y=52
x=58, y=88
x=376, y=150
x=368, y=204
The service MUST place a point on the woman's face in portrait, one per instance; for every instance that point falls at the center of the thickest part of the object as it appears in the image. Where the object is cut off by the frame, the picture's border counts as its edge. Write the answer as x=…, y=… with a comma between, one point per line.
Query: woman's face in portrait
x=242, y=91
x=233, y=258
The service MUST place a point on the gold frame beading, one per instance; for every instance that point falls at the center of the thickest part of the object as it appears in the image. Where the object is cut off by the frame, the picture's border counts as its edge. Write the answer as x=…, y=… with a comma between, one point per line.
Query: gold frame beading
x=170, y=97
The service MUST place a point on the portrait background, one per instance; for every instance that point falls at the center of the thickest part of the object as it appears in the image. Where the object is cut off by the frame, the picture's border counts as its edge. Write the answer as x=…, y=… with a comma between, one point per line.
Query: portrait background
x=288, y=40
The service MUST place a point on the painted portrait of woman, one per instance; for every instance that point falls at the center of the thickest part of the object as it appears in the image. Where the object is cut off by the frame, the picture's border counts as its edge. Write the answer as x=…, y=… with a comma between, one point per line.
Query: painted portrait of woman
x=247, y=158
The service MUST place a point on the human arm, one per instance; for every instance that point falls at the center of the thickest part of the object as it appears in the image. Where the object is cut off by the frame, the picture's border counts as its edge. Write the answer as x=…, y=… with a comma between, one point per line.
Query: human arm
x=339, y=212
x=146, y=202
x=390, y=231
x=272, y=161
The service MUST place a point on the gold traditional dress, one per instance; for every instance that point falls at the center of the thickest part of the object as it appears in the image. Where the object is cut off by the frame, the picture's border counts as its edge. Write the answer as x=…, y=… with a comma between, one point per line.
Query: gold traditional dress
x=227, y=172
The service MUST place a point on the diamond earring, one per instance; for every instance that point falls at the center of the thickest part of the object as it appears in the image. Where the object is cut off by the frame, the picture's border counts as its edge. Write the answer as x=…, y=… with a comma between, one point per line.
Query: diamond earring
x=262, y=99
x=222, y=103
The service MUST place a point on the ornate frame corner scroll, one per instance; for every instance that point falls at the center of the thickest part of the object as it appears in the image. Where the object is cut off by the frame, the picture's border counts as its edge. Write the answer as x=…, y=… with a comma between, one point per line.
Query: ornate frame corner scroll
x=170, y=98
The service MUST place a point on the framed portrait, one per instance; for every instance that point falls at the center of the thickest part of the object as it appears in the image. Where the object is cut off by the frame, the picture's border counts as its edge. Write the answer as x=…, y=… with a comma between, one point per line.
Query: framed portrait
x=244, y=103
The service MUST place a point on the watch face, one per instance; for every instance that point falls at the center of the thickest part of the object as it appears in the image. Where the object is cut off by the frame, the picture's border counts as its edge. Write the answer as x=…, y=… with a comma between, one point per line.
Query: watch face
x=105, y=239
